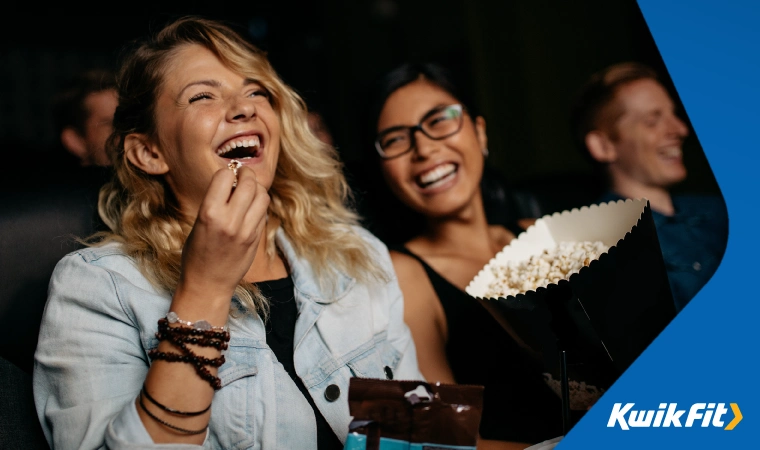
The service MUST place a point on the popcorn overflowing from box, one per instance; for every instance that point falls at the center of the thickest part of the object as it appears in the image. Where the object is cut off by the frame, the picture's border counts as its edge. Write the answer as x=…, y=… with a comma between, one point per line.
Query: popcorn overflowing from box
x=590, y=281
x=549, y=266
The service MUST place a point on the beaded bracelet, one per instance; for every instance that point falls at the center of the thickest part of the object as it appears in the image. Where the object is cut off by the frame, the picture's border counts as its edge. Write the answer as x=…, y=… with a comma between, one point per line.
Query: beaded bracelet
x=213, y=381
x=194, y=358
x=170, y=410
x=167, y=424
x=179, y=337
x=190, y=358
x=198, y=333
x=202, y=341
x=172, y=317
x=204, y=335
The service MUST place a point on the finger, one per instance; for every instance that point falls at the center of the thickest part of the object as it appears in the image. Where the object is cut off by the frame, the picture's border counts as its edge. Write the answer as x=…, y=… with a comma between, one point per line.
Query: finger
x=246, y=189
x=259, y=230
x=244, y=195
x=256, y=215
x=220, y=187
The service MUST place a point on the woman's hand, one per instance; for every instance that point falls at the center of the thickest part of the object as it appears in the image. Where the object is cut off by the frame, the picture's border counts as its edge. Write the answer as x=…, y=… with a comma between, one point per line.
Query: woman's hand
x=217, y=254
x=225, y=238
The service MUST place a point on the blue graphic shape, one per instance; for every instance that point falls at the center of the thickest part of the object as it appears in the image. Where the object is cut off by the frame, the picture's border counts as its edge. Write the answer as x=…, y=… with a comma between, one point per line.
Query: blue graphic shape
x=707, y=353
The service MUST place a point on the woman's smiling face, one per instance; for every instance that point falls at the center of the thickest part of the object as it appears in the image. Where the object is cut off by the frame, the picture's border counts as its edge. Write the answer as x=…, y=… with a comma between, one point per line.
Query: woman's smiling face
x=207, y=115
x=437, y=178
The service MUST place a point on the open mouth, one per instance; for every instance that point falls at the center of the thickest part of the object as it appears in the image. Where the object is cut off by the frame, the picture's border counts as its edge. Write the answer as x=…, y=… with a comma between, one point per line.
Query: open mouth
x=437, y=176
x=670, y=152
x=244, y=148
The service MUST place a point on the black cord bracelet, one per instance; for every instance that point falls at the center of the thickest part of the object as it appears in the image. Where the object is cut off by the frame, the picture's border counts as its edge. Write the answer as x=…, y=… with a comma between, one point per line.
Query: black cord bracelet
x=167, y=424
x=170, y=410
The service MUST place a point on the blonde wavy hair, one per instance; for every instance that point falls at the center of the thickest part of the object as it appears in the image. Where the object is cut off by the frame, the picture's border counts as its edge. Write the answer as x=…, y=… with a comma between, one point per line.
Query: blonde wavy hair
x=309, y=194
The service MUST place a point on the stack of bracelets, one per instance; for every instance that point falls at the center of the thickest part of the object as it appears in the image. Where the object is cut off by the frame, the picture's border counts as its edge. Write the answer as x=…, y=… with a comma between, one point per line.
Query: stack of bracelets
x=199, y=333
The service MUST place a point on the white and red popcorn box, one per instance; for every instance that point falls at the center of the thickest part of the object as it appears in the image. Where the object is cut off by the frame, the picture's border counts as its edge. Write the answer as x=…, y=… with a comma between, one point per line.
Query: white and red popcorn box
x=605, y=315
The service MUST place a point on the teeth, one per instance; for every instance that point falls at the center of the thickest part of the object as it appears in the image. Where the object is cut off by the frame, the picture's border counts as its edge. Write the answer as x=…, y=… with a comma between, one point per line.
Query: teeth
x=437, y=174
x=254, y=142
x=671, y=152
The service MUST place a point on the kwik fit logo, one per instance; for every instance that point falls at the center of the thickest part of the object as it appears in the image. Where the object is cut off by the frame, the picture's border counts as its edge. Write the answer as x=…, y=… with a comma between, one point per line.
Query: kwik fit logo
x=669, y=415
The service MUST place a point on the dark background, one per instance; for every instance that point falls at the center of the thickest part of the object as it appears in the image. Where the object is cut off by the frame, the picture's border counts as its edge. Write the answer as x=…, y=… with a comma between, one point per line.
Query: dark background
x=521, y=61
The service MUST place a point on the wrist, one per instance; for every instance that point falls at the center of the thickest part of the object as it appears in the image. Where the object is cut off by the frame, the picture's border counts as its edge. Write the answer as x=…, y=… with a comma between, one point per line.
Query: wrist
x=194, y=304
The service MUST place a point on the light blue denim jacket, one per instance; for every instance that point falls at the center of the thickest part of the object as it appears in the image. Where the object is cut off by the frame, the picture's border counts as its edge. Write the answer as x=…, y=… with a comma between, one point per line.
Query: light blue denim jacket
x=99, y=324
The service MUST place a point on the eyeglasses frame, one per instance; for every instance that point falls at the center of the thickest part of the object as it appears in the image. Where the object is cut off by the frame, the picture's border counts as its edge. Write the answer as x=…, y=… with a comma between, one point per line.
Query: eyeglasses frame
x=413, y=130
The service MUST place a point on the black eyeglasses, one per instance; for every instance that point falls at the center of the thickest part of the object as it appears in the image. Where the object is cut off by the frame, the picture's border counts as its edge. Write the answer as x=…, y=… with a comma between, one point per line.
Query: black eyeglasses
x=437, y=124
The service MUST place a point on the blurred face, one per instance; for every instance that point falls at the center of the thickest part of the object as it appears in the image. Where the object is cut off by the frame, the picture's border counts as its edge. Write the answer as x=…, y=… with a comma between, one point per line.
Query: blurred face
x=319, y=128
x=98, y=126
x=206, y=116
x=438, y=177
x=649, y=136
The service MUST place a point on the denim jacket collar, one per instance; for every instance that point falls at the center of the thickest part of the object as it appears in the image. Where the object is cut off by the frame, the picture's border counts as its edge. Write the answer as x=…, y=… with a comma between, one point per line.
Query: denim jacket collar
x=304, y=279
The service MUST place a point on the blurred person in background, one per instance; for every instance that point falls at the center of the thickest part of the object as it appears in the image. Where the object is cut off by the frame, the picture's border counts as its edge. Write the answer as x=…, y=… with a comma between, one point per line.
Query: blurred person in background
x=432, y=148
x=83, y=112
x=626, y=123
x=318, y=126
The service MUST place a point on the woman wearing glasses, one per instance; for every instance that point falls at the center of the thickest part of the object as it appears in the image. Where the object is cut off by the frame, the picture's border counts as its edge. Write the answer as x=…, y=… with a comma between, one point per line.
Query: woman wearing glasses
x=432, y=150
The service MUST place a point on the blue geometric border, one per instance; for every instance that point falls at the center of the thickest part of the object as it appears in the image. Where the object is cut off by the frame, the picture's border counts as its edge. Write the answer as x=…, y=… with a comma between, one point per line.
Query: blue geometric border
x=709, y=352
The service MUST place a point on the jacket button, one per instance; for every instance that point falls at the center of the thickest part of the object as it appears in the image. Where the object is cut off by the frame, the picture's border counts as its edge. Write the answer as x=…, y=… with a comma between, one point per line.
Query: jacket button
x=332, y=392
x=388, y=373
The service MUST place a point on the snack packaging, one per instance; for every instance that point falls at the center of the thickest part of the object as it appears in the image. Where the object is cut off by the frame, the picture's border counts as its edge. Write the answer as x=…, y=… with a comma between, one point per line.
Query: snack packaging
x=412, y=415
x=593, y=325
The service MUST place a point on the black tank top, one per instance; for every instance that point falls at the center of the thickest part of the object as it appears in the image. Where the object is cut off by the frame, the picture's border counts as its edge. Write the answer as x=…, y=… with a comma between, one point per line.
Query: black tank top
x=517, y=403
x=280, y=329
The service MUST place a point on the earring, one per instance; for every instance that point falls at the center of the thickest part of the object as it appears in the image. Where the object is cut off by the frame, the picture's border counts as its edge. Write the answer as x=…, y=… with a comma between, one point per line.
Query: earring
x=485, y=152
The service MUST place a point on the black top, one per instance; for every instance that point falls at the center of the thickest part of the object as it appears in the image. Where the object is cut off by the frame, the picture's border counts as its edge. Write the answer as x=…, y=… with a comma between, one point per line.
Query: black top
x=280, y=329
x=517, y=404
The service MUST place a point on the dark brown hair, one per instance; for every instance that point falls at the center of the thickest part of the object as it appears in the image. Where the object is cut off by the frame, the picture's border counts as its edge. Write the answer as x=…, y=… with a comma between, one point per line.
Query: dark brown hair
x=69, y=109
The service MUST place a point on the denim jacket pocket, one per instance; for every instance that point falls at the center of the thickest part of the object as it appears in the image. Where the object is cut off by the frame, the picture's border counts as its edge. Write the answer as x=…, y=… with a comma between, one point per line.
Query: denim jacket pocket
x=235, y=409
x=390, y=355
x=373, y=362
x=236, y=372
